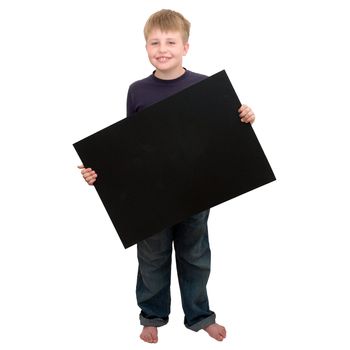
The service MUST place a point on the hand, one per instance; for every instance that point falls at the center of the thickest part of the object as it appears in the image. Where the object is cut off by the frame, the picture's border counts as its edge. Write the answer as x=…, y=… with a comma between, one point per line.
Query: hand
x=88, y=174
x=246, y=114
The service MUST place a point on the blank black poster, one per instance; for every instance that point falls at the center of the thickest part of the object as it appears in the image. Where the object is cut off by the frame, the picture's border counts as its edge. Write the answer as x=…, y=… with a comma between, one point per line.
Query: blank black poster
x=174, y=159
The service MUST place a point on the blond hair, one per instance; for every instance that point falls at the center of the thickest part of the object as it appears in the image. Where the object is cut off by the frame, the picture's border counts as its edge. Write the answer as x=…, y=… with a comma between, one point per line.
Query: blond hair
x=168, y=20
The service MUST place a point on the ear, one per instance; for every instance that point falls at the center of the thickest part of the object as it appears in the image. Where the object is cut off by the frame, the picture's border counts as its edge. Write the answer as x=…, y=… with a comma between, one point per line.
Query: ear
x=186, y=47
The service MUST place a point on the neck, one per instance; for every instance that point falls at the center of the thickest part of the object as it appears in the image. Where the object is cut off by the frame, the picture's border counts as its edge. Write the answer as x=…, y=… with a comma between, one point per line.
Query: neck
x=165, y=75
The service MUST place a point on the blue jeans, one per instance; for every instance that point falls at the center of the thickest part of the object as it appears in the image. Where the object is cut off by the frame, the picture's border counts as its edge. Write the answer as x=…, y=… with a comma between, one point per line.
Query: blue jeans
x=192, y=251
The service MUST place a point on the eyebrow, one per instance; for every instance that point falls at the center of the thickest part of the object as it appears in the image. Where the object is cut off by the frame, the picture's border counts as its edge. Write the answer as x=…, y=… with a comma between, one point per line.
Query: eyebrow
x=154, y=39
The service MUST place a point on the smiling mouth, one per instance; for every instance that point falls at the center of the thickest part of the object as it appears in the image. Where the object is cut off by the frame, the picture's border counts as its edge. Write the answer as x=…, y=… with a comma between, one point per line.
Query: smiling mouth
x=163, y=59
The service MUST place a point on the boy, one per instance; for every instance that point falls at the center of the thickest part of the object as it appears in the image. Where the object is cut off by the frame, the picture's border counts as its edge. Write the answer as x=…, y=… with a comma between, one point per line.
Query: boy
x=166, y=33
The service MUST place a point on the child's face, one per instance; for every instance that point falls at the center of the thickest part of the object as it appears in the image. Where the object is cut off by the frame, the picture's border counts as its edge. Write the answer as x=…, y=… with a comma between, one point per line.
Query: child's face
x=165, y=50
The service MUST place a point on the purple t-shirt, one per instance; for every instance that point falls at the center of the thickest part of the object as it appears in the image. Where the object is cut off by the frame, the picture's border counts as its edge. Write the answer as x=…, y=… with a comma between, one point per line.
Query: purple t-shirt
x=145, y=92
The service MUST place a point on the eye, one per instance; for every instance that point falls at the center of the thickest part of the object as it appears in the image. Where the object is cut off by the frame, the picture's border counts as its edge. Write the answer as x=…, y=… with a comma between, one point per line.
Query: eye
x=154, y=43
x=172, y=42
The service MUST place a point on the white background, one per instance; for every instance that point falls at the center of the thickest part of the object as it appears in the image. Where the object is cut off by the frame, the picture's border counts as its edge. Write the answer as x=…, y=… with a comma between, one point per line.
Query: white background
x=280, y=254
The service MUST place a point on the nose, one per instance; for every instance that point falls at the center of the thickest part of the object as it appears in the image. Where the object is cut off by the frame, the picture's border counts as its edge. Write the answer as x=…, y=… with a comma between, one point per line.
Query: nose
x=162, y=48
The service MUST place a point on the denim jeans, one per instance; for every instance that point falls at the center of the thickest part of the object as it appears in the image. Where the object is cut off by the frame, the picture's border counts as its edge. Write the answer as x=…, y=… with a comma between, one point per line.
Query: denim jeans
x=192, y=252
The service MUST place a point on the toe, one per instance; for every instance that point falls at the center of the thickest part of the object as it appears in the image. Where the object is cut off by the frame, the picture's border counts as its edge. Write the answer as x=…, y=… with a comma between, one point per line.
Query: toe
x=155, y=338
x=146, y=338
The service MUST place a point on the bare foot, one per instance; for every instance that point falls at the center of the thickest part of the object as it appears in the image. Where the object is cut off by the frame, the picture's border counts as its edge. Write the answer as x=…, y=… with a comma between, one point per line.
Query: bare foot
x=149, y=334
x=216, y=331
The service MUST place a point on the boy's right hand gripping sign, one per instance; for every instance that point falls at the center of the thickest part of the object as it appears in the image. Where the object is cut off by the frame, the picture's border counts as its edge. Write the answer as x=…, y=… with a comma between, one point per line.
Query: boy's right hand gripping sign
x=178, y=157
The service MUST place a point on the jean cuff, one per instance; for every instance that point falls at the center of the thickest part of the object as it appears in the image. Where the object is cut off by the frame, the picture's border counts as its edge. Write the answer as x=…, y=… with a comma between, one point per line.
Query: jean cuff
x=153, y=322
x=205, y=322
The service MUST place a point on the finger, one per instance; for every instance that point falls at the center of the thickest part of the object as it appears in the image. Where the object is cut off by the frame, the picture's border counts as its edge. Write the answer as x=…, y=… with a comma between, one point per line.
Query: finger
x=91, y=174
x=88, y=175
x=242, y=108
x=91, y=182
x=250, y=116
x=243, y=114
x=247, y=111
x=87, y=170
x=249, y=119
x=247, y=114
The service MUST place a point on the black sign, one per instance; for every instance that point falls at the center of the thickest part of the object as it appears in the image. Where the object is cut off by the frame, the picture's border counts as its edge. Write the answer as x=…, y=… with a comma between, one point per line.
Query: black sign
x=182, y=155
